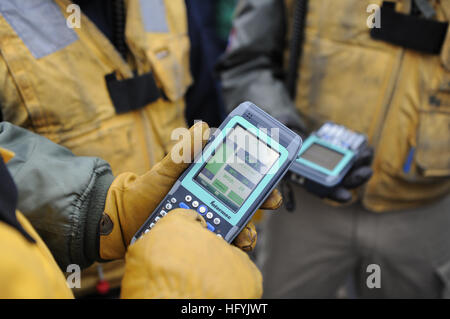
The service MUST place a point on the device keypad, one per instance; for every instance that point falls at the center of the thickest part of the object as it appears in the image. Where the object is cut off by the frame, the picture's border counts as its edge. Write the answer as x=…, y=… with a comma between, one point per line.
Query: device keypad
x=213, y=220
x=340, y=136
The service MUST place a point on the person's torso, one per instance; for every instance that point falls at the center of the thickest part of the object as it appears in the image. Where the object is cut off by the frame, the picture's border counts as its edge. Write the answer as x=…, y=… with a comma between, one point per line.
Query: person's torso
x=399, y=97
x=53, y=83
x=53, y=78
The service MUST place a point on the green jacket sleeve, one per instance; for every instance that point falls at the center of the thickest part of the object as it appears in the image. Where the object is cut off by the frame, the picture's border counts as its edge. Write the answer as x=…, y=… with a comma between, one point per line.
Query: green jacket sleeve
x=62, y=195
x=251, y=69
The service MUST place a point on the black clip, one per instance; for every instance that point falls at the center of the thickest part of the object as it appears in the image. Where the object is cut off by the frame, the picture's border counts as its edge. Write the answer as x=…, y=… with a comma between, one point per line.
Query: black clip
x=132, y=94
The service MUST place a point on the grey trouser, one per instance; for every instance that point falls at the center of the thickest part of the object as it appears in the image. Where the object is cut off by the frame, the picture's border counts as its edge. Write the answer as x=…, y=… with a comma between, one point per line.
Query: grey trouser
x=312, y=252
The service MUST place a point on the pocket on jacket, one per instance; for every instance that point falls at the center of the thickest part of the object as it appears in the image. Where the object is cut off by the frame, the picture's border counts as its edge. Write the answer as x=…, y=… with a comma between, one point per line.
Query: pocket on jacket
x=169, y=56
x=433, y=136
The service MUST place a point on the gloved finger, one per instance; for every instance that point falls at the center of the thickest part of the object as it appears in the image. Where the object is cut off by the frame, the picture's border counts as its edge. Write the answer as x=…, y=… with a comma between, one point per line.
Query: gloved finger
x=365, y=157
x=180, y=259
x=246, y=240
x=189, y=215
x=132, y=198
x=258, y=217
x=190, y=144
x=274, y=200
x=357, y=177
x=6, y=155
x=340, y=195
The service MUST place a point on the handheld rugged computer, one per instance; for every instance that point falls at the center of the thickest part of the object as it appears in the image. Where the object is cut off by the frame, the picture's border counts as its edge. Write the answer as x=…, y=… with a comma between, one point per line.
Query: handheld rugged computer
x=328, y=154
x=239, y=167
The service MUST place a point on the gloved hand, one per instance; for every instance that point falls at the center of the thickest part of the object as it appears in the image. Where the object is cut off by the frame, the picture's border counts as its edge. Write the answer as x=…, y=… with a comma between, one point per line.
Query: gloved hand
x=358, y=175
x=246, y=240
x=131, y=199
x=180, y=258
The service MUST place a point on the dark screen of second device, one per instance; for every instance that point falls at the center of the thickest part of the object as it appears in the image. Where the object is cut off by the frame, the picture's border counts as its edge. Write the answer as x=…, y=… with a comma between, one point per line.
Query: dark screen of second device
x=322, y=156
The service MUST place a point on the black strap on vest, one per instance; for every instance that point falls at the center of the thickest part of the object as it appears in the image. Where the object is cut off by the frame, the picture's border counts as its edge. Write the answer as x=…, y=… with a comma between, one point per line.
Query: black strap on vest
x=8, y=201
x=132, y=94
x=409, y=31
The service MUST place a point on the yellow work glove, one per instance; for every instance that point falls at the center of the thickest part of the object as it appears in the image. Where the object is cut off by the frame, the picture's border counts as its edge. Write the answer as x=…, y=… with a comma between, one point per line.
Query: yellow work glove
x=246, y=240
x=131, y=199
x=180, y=258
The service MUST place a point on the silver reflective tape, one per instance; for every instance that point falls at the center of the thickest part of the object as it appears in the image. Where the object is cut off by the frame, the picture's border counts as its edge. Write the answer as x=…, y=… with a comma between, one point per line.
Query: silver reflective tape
x=39, y=23
x=154, y=16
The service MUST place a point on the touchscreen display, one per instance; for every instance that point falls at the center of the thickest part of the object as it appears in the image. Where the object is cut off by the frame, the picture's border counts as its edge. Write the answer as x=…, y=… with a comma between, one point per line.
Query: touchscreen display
x=237, y=167
x=322, y=156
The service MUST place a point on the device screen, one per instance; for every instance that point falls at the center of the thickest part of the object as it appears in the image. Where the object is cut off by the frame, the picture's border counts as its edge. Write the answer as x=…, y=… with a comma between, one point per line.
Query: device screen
x=323, y=156
x=237, y=167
